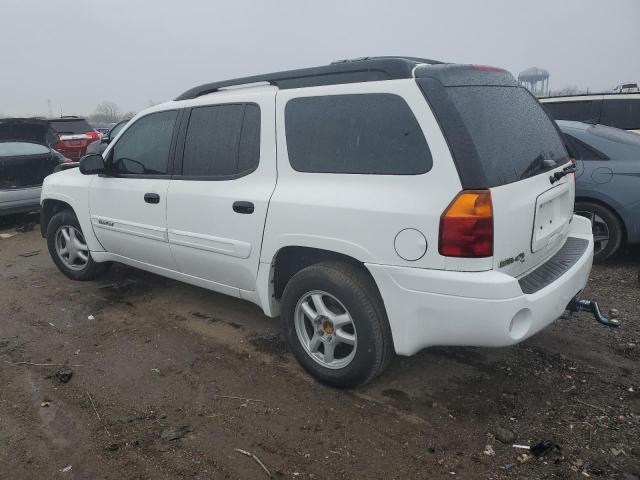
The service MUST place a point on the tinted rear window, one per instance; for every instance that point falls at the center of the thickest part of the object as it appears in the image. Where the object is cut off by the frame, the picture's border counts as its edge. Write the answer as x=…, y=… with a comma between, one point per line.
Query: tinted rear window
x=580, y=111
x=357, y=134
x=512, y=135
x=70, y=127
x=622, y=113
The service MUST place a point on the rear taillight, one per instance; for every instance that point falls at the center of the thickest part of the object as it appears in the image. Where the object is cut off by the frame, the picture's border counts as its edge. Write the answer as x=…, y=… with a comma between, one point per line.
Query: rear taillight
x=487, y=68
x=466, y=226
x=93, y=135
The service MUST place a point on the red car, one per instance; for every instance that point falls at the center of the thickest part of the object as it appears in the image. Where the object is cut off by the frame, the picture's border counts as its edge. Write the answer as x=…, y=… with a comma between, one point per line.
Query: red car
x=74, y=135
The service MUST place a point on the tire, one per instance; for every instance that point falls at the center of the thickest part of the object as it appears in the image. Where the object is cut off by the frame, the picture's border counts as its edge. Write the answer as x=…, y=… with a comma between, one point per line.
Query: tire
x=78, y=269
x=341, y=287
x=604, y=223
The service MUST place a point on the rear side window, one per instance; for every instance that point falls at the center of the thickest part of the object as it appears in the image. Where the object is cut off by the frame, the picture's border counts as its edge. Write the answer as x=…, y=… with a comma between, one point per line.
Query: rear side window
x=143, y=149
x=513, y=137
x=70, y=127
x=222, y=141
x=579, y=111
x=616, y=144
x=622, y=113
x=582, y=151
x=356, y=134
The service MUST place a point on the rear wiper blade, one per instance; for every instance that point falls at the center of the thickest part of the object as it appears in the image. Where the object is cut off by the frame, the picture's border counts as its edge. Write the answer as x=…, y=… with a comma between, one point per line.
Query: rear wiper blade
x=562, y=173
x=538, y=163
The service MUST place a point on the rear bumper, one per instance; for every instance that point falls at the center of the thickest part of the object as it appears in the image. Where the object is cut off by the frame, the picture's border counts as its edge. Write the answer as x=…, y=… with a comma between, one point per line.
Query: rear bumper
x=19, y=200
x=435, y=307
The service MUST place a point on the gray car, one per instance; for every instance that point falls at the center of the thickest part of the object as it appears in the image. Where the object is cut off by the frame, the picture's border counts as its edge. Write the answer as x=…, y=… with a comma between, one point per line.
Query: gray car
x=607, y=183
x=26, y=158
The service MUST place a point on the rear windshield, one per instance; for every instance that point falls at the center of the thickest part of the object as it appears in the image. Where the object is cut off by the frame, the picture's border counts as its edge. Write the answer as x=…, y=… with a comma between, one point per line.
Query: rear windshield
x=508, y=134
x=70, y=127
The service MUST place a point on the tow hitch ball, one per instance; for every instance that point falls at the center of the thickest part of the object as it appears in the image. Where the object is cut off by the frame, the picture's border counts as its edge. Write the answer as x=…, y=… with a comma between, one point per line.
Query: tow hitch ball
x=591, y=306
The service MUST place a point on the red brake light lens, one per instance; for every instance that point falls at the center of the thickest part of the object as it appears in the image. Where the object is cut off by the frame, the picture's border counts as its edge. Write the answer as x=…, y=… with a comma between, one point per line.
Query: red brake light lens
x=488, y=68
x=466, y=226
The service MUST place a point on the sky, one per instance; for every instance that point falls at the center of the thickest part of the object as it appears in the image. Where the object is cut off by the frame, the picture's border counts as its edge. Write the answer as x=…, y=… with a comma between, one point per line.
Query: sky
x=78, y=53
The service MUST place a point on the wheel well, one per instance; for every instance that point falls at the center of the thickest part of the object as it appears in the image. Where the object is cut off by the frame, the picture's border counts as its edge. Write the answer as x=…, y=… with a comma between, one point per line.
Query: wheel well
x=49, y=209
x=611, y=209
x=290, y=260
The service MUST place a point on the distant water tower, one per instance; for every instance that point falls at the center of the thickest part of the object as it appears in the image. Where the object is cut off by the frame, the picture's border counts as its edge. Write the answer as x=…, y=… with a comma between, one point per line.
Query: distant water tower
x=536, y=80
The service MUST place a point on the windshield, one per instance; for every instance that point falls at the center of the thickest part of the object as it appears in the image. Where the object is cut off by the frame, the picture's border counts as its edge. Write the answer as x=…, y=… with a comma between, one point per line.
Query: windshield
x=512, y=135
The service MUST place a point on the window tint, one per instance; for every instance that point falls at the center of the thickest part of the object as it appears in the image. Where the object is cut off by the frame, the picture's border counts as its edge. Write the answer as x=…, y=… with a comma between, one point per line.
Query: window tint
x=70, y=127
x=222, y=140
x=144, y=147
x=581, y=151
x=512, y=135
x=621, y=113
x=364, y=133
x=579, y=111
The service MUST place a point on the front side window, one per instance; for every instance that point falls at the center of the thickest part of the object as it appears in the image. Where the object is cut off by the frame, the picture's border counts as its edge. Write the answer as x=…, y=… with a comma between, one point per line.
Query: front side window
x=357, y=134
x=222, y=141
x=623, y=113
x=144, y=148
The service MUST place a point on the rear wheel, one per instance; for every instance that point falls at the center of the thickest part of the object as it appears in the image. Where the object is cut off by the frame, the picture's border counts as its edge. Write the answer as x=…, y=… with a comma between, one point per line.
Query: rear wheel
x=69, y=250
x=335, y=324
x=606, y=227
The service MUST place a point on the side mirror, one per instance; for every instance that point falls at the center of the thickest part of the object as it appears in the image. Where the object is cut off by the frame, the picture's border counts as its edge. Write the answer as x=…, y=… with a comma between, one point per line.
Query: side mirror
x=92, y=164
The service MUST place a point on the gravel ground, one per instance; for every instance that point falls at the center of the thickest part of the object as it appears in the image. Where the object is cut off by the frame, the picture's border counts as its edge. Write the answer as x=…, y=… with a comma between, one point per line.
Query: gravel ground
x=169, y=380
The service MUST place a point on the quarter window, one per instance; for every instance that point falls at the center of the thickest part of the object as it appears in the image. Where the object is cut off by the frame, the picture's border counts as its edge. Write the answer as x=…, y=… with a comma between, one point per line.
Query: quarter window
x=358, y=134
x=582, y=151
x=222, y=141
x=143, y=149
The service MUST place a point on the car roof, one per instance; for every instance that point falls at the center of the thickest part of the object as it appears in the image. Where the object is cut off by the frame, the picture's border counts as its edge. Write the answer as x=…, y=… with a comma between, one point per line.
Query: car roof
x=366, y=69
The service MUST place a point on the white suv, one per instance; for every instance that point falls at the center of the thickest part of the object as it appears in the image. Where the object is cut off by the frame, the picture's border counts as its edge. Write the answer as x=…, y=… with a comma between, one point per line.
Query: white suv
x=377, y=205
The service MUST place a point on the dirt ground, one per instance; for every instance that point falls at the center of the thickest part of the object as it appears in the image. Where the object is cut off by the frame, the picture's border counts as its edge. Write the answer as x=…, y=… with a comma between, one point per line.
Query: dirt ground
x=154, y=359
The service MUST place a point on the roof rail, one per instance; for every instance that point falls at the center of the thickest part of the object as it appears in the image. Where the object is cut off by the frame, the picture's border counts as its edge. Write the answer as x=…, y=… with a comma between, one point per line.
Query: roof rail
x=366, y=69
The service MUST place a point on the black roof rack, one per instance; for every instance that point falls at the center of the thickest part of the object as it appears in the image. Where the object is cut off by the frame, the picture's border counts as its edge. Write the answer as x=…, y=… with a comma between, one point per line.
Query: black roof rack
x=365, y=69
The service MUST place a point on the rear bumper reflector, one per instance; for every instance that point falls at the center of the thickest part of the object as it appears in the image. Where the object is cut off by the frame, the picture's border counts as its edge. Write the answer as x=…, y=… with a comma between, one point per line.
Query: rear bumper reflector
x=555, y=267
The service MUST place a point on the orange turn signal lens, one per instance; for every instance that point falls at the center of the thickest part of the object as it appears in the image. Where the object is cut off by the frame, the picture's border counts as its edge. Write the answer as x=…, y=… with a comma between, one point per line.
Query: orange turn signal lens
x=466, y=226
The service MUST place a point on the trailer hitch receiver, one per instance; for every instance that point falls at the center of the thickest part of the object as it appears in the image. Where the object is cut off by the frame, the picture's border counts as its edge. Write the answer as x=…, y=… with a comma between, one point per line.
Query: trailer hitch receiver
x=591, y=306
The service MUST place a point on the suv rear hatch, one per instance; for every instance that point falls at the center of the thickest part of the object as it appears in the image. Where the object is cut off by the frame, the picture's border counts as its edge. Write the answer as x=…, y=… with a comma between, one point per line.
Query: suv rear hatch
x=502, y=140
x=25, y=154
x=74, y=135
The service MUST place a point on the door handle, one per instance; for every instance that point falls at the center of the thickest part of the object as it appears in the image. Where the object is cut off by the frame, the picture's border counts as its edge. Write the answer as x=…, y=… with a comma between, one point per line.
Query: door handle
x=152, y=198
x=243, y=207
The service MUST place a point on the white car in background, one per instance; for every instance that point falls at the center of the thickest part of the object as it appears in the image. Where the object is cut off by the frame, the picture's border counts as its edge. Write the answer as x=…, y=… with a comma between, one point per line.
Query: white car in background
x=377, y=205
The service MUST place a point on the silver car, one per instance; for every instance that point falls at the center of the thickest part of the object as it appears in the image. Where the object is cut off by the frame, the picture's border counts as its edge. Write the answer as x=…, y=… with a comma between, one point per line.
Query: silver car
x=26, y=158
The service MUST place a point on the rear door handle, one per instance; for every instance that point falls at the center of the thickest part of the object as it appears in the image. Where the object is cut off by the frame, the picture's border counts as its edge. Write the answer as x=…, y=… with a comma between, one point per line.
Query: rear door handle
x=152, y=198
x=243, y=207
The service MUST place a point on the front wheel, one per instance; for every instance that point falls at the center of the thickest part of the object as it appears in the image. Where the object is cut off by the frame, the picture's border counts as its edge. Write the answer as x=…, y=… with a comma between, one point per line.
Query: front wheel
x=69, y=250
x=335, y=324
